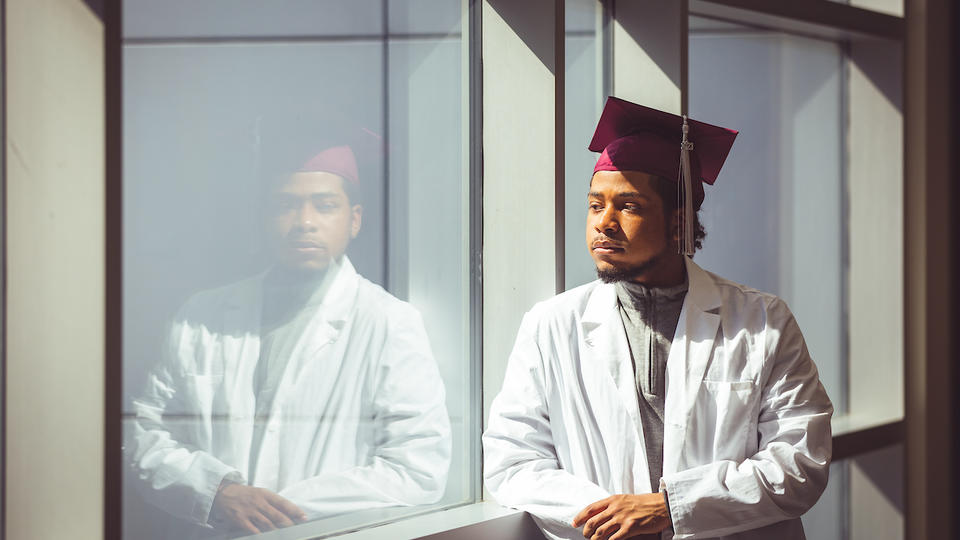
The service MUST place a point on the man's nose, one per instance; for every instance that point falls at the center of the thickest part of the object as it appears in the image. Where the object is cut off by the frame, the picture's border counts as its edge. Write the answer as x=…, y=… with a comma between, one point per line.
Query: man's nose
x=608, y=220
x=306, y=219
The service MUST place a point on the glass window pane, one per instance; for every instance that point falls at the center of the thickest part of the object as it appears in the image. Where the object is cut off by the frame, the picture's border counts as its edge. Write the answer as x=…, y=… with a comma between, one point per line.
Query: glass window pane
x=250, y=18
x=876, y=508
x=864, y=498
x=296, y=286
x=774, y=219
x=829, y=518
x=584, y=97
x=424, y=16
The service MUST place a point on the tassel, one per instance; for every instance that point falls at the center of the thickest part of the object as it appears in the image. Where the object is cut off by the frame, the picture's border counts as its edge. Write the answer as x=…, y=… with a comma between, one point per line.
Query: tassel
x=685, y=194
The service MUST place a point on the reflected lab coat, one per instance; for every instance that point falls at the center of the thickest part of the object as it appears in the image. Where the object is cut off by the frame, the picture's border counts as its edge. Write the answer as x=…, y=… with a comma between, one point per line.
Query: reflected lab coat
x=359, y=419
x=747, y=438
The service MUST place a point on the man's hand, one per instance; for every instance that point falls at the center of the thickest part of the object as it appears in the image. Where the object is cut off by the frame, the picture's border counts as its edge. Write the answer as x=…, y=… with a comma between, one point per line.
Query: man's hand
x=624, y=516
x=253, y=509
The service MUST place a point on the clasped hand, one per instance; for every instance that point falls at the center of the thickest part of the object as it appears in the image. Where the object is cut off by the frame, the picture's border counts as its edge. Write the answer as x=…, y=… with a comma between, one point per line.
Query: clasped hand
x=253, y=509
x=624, y=516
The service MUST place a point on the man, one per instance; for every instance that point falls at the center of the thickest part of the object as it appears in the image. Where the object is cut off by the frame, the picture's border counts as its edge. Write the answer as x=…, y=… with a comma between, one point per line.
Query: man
x=661, y=400
x=299, y=393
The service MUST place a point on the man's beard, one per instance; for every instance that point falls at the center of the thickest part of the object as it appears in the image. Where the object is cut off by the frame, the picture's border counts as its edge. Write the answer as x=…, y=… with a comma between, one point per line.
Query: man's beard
x=629, y=273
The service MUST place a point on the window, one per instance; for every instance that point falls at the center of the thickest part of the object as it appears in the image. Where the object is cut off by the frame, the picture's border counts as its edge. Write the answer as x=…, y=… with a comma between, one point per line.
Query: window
x=261, y=143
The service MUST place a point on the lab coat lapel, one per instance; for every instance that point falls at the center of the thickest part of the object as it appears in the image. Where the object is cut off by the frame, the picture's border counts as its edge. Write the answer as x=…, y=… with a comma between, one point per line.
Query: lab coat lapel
x=608, y=376
x=690, y=355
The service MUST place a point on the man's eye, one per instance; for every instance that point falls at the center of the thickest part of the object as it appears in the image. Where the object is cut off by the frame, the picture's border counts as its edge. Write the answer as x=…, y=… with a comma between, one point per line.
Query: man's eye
x=596, y=207
x=326, y=206
x=631, y=207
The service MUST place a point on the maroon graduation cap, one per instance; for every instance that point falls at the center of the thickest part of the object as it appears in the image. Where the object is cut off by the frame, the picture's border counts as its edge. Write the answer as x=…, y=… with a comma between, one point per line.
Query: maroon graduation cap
x=341, y=159
x=632, y=137
x=338, y=160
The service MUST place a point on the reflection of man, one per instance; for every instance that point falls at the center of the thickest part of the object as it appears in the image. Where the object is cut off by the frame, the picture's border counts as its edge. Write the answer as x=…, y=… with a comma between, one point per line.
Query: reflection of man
x=301, y=393
x=661, y=398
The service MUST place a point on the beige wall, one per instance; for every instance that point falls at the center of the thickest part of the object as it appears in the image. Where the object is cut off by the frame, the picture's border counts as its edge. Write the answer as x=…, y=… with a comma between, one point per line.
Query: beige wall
x=55, y=253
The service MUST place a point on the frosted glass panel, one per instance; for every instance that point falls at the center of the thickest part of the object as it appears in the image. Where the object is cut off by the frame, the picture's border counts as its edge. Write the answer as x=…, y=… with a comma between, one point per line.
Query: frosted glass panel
x=296, y=288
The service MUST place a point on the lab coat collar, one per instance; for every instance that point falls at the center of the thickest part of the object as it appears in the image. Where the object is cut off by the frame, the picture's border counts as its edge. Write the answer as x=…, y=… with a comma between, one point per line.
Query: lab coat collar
x=342, y=294
x=690, y=355
x=702, y=293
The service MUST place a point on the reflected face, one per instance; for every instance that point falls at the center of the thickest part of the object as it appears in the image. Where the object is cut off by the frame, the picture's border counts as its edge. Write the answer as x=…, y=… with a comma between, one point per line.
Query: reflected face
x=627, y=233
x=312, y=220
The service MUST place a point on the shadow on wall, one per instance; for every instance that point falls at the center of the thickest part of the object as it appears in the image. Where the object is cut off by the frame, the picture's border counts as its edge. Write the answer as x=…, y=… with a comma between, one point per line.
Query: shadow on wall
x=525, y=18
x=95, y=6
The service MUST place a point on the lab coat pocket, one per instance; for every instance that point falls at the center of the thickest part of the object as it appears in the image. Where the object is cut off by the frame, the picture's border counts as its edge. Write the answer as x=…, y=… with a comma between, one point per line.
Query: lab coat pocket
x=731, y=407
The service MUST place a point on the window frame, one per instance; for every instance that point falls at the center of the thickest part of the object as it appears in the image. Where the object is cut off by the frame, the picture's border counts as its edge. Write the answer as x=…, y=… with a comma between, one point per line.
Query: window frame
x=471, y=166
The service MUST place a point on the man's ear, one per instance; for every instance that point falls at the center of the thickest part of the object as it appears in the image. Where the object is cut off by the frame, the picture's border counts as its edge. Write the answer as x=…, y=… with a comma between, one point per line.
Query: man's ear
x=356, y=218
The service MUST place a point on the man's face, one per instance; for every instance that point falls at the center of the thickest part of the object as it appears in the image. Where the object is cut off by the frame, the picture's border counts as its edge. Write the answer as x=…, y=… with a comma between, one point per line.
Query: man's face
x=627, y=233
x=312, y=220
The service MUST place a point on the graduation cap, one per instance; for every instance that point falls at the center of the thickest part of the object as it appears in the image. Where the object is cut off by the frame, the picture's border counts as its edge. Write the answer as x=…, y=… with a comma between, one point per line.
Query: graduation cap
x=632, y=137
x=288, y=143
x=338, y=160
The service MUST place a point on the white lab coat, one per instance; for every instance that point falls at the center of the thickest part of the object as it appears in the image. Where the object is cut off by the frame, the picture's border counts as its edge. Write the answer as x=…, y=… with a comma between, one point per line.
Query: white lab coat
x=359, y=419
x=747, y=439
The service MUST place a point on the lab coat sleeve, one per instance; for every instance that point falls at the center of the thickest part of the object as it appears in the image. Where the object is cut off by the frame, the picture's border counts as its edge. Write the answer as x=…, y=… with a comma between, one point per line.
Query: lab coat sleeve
x=411, y=455
x=786, y=476
x=172, y=473
x=521, y=466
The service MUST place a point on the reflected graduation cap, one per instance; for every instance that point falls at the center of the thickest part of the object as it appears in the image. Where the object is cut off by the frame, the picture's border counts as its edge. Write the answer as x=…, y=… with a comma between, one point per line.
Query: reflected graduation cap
x=632, y=137
x=339, y=160
x=288, y=143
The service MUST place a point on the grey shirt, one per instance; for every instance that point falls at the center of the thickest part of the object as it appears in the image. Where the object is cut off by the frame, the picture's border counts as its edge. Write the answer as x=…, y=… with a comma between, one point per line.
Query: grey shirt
x=650, y=317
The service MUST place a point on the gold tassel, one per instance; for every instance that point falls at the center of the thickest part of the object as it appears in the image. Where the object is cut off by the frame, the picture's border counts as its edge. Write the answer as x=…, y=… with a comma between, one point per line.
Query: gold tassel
x=685, y=194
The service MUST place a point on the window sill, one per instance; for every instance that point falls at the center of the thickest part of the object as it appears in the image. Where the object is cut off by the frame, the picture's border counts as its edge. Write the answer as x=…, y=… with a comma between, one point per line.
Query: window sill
x=854, y=435
x=400, y=523
x=851, y=423
x=483, y=519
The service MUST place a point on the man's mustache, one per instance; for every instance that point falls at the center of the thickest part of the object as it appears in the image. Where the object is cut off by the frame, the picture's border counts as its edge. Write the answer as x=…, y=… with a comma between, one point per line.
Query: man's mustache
x=604, y=241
